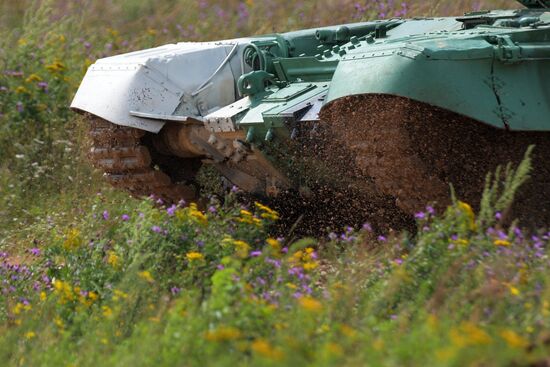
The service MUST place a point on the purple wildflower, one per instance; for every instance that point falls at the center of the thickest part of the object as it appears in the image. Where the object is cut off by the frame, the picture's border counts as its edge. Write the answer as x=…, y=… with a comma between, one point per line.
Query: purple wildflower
x=156, y=229
x=35, y=251
x=105, y=215
x=43, y=86
x=171, y=210
x=255, y=253
x=382, y=238
x=125, y=217
x=420, y=215
x=367, y=227
x=175, y=290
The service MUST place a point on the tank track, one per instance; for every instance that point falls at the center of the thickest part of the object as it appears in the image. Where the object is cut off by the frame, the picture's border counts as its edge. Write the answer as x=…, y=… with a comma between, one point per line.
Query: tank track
x=130, y=162
x=414, y=151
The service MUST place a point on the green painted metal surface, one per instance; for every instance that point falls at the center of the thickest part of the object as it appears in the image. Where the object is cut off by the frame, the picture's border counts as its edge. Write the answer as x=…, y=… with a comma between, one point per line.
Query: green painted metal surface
x=492, y=66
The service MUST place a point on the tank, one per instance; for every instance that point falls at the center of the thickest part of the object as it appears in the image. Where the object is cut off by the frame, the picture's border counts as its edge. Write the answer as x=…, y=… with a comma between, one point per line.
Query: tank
x=385, y=114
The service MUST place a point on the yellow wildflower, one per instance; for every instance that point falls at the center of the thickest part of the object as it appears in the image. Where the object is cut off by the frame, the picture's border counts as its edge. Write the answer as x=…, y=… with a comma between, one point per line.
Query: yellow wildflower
x=119, y=295
x=310, y=304
x=335, y=349
x=503, y=243
x=93, y=296
x=245, y=213
x=113, y=259
x=197, y=214
x=152, y=32
x=461, y=242
x=265, y=349
x=275, y=245
x=513, y=290
x=467, y=209
x=22, y=90
x=348, y=331
x=107, y=311
x=310, y=265
x=268, y=213
x=72, y=239
x=33, y=78
x=193, y=256
x=30, y=335
x=469, y=334
x=55, y=67
x=43, y=296
x=146, y=275
x=513, y=340
x=58, y=322
x=241, y=248
x=222, y=334
x=22, y=42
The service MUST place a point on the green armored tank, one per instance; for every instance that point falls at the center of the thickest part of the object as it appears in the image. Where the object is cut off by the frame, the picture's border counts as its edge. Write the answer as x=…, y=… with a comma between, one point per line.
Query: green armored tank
x=388, y=112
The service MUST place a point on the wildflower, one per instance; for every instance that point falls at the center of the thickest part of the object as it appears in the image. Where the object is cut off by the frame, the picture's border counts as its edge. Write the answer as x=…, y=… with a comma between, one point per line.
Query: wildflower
x=55, y=67
x=500, y=242
x=513, y=290
x=171, y=210
x=118, y=294
x=265, y=349
x=43, y=296
x=268, y=213
x=156, y=229
x=107, y=311
x=30, y=335
x=58, y=322
x=146, y=275
x=35, y=251
x=255, y=253
x=193, y=256
x=311, y=304
x=198, y=215
x=113, y=259
x=223, y=333
x=72, y=240
x=468, y=211
x=275, y=244
x=33, y=78
x=105, y=215
x=367, y=227
x=22, y=90
x=382, y=239
x=175, y=290
x=22, y=42
x=513, y=340
x=242, y=248
x=420, y=215
x=125, y=217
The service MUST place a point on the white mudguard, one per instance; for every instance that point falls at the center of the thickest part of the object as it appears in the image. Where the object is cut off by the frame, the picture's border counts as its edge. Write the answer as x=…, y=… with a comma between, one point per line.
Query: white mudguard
x=146, y=88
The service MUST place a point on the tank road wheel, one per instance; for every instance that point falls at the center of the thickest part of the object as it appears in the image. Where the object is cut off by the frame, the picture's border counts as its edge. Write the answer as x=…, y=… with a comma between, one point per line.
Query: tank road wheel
x=413, y=151
x=130, y=161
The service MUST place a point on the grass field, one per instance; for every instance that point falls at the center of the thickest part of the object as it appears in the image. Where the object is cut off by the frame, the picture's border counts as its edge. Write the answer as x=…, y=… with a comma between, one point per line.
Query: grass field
x=90, y=276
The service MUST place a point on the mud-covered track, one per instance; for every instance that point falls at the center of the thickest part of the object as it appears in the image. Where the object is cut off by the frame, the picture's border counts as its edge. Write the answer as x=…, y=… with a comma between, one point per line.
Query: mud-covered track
x=128, y=163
